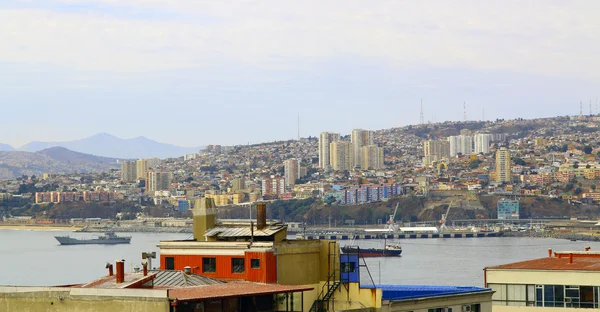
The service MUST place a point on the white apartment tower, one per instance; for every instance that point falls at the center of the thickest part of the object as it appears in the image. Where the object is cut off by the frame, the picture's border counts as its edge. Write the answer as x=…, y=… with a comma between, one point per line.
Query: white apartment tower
x=482, y=143
x=325, y=139
x=360, y=138
x=462, y=144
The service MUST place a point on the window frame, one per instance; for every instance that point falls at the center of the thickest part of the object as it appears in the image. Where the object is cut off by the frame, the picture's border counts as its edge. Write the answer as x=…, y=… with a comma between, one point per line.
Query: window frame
x=255, y=263
x=234, y=266
x=213, y=262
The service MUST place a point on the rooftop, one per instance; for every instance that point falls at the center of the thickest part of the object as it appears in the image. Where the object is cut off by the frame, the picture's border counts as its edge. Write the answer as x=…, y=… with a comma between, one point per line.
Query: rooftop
x=554, y=264
x=403, y=292
x=233, y=289
x=244, y=231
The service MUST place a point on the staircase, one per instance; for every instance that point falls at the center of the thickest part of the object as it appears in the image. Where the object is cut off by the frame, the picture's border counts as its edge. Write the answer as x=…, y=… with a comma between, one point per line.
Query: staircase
x=332, y=283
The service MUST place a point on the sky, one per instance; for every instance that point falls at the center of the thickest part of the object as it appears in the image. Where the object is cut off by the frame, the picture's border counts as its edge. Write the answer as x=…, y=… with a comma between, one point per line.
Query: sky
x=201, y=72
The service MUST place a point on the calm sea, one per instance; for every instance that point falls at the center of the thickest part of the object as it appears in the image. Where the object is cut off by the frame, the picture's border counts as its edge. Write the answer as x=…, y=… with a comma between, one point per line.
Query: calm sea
x=34, y=258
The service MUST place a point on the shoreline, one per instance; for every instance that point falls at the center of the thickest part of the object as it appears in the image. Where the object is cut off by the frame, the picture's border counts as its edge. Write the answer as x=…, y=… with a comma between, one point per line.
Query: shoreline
x=29, y=227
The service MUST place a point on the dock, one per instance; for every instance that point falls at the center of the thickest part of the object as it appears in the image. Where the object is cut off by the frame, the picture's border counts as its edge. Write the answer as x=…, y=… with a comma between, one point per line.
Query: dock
x=339, y=236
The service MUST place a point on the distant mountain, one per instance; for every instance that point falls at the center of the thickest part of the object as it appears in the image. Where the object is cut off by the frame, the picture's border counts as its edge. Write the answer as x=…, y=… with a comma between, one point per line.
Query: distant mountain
x=5, y=147
x=107, y=145
x=68, y=156
x=52, y=160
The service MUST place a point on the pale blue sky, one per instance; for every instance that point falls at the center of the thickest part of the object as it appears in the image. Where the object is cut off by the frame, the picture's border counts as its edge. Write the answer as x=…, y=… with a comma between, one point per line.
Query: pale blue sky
x=229, y=72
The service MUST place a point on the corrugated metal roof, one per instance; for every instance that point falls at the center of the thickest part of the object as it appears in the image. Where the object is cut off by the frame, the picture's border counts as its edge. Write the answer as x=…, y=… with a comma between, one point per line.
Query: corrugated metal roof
x=180, y=279
x=558, y=264
x=225, y=231
x=234, y=289
x=401, y=292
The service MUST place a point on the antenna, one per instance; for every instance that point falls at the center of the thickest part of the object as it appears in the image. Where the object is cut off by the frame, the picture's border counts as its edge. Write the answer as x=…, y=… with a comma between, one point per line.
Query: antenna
x=298, y=126
x=422, y=118
x=465, y=110
x=580, y=108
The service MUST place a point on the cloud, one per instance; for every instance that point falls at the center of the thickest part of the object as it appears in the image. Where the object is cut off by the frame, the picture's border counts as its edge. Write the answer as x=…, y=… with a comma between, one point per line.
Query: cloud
x=538, y=37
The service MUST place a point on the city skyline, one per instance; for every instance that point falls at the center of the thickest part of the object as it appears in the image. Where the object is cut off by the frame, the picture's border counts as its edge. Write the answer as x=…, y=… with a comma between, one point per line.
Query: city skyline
x=249, y=68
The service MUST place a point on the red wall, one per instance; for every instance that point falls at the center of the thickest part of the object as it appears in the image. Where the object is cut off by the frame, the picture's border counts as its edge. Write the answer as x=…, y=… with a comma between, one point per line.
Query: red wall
x=267, y=273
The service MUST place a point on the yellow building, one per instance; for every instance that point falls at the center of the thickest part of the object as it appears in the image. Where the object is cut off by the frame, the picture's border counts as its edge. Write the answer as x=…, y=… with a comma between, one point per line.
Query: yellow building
x=141, y=168
x=371, y=157
x=341, y=156
x=503, y=173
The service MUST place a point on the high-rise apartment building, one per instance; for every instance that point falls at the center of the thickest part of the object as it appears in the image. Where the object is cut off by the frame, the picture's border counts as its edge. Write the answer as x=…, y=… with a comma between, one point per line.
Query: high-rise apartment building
x=341, y=155
x=438, y=149
x=482, y=143
x=371, y=157
x=273, y=186
x=325, y=139
x=158, y=181
x=503, y=165
x=152, y=163
x=128, y=171
x=238, y=184
x=460, y=144
x=141, y=167
x=291, y=168
x=360, y=138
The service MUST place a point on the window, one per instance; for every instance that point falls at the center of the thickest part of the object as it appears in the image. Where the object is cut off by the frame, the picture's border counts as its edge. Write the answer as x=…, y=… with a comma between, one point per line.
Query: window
x=440, y=310
x=170, y=263
x=255, y=263
x=237, y=265
x=347, y=267
x=209, y=265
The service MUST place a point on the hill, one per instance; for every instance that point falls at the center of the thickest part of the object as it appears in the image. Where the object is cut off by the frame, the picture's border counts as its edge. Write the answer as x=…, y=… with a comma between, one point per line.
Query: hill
x=68, y=156
x=107, y=145
x=5, y=147
x=54, y=160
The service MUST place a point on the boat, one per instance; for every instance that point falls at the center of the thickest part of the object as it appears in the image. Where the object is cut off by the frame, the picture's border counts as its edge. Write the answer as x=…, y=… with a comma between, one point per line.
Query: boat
x=387, y=251
x=109, y=238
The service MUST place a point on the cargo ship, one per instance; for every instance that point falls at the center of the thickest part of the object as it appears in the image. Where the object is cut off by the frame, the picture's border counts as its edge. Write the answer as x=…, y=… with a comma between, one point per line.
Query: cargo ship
x=109, y=238
x=387, y=251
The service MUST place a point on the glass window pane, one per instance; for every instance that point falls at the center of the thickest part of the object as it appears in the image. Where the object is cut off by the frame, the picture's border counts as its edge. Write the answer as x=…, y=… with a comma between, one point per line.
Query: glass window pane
x=548, y=295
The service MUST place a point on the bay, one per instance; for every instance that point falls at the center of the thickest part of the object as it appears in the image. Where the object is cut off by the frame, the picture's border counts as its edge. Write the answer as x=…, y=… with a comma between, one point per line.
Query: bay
x=34, y=258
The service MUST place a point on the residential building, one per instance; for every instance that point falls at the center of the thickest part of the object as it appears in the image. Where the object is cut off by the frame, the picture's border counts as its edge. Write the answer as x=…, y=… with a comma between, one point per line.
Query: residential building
x=158, y=181
x=460, y=144
x=325, y=139
x=341, y=158
x=291, y=171
x=141, y=167
x=128, y=171
x=503, y=172
x=434, y=150
x=482, y=143
x=238, y=184
x=562, y=281
x=273, y=186
x=359, y=138
x=508, y=209
x=371, y=157
x=152, y=163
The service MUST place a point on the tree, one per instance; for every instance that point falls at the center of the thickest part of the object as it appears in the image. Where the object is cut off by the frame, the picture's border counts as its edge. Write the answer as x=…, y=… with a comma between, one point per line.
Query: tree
x=519, y=161
x=593, y=187
x=474, y=164
x=564, y=148
x=587, y=149
x=576, y=165
x=578, y=191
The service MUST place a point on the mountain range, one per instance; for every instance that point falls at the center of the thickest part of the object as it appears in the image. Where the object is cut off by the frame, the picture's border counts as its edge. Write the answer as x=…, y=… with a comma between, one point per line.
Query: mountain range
x=52, y=160
x=104, y=144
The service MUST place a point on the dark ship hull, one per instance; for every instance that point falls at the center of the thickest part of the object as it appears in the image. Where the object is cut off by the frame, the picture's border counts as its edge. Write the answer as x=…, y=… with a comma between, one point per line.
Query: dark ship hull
x=373, y=252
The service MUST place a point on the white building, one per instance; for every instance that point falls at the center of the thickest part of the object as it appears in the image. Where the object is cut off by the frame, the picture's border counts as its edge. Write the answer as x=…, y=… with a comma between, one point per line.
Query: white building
x=360, y=138
x=462, y=144
x=325, y=139
x=482, y=143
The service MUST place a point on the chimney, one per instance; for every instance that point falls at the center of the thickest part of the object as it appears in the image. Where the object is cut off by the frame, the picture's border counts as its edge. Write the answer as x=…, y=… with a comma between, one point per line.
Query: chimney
x=261, y=215
x=549, y=252
x=587, y=248
x=570, y=258
x=204, y=217
x=145, y=268
x=187, y=270
x=120, y=271
x=110, y=269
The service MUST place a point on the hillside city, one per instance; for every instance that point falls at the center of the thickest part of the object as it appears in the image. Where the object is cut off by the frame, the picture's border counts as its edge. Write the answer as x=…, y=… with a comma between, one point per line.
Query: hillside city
x=538, y=168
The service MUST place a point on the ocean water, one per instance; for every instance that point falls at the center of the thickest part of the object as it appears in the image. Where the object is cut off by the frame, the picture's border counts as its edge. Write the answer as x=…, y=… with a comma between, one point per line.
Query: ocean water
x=34, y=258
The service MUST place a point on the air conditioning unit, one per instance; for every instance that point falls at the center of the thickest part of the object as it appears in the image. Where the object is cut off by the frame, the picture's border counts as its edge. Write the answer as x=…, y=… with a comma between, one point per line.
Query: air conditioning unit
x=466, y=308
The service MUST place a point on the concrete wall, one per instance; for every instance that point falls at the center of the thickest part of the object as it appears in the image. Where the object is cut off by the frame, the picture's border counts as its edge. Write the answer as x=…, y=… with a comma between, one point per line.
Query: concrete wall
x=498, y=308
x=38, y=299
x=298, y=262
x=581, y=278
x=454, y=302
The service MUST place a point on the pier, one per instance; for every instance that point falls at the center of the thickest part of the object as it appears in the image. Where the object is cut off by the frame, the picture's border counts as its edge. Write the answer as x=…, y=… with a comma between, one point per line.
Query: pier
x=347, y=236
